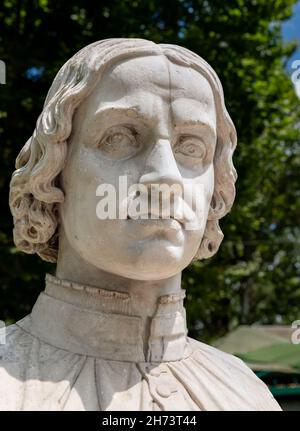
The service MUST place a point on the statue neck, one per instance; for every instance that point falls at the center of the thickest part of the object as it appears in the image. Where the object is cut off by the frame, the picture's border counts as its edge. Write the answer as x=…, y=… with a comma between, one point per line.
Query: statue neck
x=144, y=293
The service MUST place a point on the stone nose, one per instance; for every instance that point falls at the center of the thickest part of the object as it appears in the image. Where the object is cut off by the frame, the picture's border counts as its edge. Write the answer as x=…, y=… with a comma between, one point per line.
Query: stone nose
x=161, y=166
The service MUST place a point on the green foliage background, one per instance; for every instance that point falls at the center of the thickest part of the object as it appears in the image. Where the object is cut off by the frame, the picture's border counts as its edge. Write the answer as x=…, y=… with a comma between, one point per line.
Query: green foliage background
x=255, y=276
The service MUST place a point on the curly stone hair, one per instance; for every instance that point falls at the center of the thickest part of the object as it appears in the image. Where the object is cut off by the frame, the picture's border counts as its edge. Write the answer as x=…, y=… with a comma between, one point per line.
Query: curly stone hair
x=34, y=189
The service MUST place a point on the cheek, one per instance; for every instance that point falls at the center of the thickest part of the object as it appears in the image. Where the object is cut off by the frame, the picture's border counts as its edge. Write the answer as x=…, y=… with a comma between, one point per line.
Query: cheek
x=209, y=183
x=84, y=172
x=79, y=181
x=204, y=188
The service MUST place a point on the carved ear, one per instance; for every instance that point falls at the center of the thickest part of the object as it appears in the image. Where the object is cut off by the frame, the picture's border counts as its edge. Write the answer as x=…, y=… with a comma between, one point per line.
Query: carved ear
x=211, y=240
x=225, y=177
x=223, y=196
x=217, y=207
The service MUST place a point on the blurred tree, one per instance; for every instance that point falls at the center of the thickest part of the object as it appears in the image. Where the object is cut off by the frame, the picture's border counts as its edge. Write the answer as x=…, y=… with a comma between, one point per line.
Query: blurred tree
x=255, y=276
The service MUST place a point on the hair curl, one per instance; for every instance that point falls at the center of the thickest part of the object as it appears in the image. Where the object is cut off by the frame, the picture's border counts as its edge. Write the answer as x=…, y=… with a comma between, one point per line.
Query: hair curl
x=34, y=188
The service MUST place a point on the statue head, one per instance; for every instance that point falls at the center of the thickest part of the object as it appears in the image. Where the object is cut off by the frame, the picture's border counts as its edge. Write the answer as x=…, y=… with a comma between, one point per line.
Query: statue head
x=153, y=113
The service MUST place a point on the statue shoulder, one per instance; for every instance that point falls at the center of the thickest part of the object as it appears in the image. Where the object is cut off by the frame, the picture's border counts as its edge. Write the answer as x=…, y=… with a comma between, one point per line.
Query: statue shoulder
x=15, y=348
x=15, y=341
x=236, y=378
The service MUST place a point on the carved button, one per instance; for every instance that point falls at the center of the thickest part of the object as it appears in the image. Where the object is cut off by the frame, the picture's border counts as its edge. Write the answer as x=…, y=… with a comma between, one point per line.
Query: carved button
x=156, y=372
x=163, y=390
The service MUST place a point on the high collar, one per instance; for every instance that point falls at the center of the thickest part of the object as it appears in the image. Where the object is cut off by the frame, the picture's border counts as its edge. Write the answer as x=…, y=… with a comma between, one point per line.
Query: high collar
x=103, y=323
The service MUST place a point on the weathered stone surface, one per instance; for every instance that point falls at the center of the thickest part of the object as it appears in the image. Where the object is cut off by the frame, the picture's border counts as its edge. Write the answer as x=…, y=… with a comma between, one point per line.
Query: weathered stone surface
x=109, y=331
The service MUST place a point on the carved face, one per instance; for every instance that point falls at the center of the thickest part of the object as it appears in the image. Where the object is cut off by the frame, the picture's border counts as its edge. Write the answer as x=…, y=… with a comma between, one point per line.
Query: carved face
x=155, y=123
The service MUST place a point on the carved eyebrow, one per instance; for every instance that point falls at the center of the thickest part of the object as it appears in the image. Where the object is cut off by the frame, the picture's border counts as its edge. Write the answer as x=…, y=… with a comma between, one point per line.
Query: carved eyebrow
x=135, y=113
x=198, y=124
x=131, y=111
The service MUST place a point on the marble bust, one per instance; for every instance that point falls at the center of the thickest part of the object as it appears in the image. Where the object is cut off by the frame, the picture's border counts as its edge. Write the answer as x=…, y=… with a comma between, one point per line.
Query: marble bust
x=109, y=330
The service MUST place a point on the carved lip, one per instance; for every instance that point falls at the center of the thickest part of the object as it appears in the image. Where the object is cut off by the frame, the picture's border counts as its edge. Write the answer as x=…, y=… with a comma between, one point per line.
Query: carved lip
x=166, y=222
x=153, y=217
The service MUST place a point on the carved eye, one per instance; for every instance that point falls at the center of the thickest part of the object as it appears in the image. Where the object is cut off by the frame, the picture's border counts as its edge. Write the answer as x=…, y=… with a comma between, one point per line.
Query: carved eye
x=119, y=142
x=190, y=148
